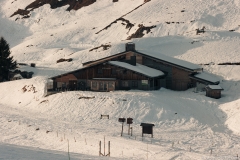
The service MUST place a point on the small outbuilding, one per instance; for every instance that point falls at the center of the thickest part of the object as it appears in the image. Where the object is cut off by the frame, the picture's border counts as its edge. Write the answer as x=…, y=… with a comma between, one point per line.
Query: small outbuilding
x=213, y=91
x=147, y=128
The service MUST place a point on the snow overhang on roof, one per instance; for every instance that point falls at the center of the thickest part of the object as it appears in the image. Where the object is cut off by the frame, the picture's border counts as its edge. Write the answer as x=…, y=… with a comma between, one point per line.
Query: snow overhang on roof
x=173, y=61
x=147, y=124
x=106, y=79
x=214, y=87
x=17, y=76
x=206, y=77
x=147, y=71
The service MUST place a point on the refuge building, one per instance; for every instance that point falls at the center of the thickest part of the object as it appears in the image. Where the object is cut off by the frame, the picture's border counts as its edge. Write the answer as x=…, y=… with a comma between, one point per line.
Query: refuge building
x=134, y=69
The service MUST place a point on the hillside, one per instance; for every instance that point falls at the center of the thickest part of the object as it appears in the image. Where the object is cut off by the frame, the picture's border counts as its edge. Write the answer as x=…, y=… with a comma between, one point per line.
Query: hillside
x=188, y=125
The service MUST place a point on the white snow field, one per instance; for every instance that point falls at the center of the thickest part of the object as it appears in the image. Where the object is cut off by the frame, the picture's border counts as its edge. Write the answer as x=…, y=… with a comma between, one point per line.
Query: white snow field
x=188, y=125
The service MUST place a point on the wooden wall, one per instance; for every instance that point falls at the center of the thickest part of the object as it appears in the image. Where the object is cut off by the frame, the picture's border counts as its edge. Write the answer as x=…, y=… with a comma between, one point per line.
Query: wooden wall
x=213, y=93
x=139, y=58
x=65, y=78
x=99, y=71
x=176, y=79
x=180, y=79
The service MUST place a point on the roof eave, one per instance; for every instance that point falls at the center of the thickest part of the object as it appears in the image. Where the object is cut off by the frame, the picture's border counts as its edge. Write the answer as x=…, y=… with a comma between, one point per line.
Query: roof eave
x=196, y=78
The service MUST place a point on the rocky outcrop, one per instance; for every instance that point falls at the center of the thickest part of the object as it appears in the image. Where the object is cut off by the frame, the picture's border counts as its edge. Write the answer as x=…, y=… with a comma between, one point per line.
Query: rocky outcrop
x=140, y=30
x=104, y=46
x=126, y=22
x=64, y=60
x=73, y=5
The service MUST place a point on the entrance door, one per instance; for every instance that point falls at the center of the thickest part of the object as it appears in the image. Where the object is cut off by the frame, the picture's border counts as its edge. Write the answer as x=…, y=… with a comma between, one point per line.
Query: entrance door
x=103, y=86
x=72, y=85
x=82, y=86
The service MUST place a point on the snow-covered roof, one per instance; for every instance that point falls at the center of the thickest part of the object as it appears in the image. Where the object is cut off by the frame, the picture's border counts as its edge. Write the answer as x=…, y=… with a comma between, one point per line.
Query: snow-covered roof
x=216, y=87
x=150, y=72
x=207, y=77
x=175, y=61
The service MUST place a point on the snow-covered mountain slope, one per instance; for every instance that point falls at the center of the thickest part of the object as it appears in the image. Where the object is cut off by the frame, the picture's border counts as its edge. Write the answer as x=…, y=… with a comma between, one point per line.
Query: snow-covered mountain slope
x=188, y=125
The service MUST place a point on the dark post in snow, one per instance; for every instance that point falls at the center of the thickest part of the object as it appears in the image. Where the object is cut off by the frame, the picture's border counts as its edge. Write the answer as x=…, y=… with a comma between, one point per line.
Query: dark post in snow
x=129, y=121
x=122, y=120
x=108, y=148
x=100, y=148
x=104, y=145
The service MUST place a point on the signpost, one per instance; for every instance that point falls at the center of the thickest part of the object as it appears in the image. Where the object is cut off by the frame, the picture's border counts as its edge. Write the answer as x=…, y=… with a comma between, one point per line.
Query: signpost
x=122, y=120
x=147, y=128
x=129, y=121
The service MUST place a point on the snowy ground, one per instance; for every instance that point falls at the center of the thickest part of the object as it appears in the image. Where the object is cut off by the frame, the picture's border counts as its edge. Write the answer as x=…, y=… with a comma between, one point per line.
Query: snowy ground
x=188, y=125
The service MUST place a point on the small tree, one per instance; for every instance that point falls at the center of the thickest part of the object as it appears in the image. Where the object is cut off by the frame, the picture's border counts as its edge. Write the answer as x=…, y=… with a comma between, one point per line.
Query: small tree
x=6, y=61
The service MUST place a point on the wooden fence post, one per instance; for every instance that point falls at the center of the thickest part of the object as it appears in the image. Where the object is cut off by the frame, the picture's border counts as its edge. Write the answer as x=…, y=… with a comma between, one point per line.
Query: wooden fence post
x=122, y=129
x=104, y=145
x=99, y=148
x=109, y=148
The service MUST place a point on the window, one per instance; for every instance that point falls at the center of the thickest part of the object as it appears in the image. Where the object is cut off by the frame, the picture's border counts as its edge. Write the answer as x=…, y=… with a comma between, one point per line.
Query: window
x=114, y=71
x=94, y=84
x=144, y=82
x=99, y=71
x=125, y=83
x=111, y=84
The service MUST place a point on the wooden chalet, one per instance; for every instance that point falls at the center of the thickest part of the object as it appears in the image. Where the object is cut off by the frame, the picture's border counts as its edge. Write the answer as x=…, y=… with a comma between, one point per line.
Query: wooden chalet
x=131, y=69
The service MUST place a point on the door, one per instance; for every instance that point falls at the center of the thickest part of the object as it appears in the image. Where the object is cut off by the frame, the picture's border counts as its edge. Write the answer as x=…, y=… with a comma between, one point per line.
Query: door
x=82, y=86
x=73, y=85
x=103, y=86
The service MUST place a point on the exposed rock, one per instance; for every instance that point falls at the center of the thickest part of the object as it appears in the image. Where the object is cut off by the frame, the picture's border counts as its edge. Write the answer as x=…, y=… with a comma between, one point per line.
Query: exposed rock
x=63, y=60
x=230, y=63
x=104, y=46
x=174, y=22
x=44, y=101
x=21, y=12
x=140, y=30
x=128, y=24
x=73, y=5
x=83, y=97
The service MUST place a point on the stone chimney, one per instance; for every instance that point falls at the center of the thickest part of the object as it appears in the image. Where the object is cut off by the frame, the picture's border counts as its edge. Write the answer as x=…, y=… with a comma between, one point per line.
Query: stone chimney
x=130, y=46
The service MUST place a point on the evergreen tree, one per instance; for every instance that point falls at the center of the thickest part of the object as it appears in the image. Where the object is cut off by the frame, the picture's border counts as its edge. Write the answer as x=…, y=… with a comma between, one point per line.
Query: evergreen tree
x=6, y=61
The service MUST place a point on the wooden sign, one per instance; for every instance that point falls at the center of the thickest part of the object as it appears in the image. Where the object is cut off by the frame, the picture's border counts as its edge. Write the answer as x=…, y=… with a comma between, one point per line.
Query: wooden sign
x=129, y=120
x=147, y=128
x=121, y=119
